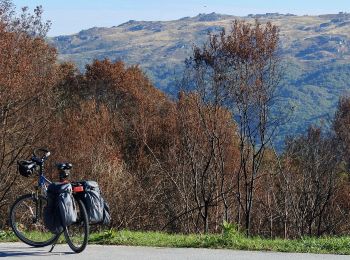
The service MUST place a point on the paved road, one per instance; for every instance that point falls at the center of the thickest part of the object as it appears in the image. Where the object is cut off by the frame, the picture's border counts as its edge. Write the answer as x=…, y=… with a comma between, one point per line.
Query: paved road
x=20, y=251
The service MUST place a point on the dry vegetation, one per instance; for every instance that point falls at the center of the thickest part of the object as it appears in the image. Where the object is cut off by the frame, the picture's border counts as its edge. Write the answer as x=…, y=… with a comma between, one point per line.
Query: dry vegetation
x=184, y=165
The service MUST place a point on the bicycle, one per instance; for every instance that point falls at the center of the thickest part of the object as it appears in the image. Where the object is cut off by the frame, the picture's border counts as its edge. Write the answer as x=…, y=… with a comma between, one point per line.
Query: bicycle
x=26, y=214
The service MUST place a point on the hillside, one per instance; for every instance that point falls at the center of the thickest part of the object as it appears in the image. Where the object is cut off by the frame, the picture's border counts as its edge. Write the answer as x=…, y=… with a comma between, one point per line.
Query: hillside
x=315, y=52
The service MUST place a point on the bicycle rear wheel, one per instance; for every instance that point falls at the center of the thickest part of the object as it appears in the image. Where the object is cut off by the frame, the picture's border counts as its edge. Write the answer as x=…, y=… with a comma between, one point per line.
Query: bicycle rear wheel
x=27, y=221
x=77, y=234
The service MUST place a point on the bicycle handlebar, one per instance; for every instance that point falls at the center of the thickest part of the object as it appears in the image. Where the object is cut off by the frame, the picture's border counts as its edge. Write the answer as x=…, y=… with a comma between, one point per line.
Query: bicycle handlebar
x=44, y=157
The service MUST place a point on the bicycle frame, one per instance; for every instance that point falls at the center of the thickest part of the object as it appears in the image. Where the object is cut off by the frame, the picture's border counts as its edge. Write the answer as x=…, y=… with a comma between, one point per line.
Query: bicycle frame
x=42, y=181
x=42, y=184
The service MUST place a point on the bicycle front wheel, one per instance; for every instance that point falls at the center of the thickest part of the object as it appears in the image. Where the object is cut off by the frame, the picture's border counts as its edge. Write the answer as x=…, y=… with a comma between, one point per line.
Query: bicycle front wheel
x=27, y=221
x=77, y=234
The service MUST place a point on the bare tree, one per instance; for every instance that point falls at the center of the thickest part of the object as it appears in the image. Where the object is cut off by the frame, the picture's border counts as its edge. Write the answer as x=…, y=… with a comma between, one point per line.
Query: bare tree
x=207, y=134
x=240, y=70
x=311, y=181
x=341, y=125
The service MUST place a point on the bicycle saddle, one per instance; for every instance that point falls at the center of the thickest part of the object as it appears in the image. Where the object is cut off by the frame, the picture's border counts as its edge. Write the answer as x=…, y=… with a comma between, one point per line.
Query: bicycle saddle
x=64, y=166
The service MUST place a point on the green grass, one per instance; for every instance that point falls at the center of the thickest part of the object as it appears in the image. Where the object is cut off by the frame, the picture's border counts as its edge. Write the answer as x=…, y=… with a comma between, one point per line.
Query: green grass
x=228, y=240
x=9, y=236
x=327, y=245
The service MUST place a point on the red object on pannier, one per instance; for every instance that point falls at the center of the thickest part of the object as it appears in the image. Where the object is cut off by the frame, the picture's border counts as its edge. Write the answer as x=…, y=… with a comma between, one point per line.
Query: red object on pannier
x=78, y=189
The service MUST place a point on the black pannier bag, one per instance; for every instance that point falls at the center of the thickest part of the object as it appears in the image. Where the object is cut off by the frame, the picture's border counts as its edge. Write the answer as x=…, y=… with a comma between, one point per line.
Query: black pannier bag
x=97, y=209
x=106, y=213
x=60, y=211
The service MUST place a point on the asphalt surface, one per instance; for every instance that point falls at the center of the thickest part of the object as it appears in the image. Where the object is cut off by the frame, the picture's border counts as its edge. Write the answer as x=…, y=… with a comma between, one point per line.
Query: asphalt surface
x=21, y=251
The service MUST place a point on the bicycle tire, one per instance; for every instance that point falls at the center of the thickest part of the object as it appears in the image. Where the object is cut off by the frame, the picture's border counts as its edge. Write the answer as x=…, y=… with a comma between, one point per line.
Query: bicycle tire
x=81, y=223
x=31, y=226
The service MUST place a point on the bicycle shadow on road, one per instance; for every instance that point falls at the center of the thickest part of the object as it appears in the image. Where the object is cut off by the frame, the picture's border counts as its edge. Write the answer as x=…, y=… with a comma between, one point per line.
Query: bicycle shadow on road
x=11, y=252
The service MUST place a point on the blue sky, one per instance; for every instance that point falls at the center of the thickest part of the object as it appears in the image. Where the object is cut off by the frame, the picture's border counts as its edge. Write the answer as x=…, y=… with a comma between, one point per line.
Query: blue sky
x=71, y=16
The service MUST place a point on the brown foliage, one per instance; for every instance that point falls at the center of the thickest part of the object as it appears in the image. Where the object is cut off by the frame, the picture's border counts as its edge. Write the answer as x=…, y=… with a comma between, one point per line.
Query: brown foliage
x=207, y=153
x=129, y=120
x=27, y=75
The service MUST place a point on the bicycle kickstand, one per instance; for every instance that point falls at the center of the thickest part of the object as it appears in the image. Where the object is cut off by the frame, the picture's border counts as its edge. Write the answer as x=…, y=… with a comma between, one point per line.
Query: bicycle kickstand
x=54, y=243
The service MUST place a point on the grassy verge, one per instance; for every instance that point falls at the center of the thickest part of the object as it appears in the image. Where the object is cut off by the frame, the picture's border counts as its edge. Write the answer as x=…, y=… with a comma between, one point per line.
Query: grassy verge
x=228, y=240
x=327, y=245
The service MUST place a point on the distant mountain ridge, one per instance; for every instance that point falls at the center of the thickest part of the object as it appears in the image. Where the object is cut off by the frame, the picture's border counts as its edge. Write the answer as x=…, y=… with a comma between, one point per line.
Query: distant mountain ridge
x=315, y=51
